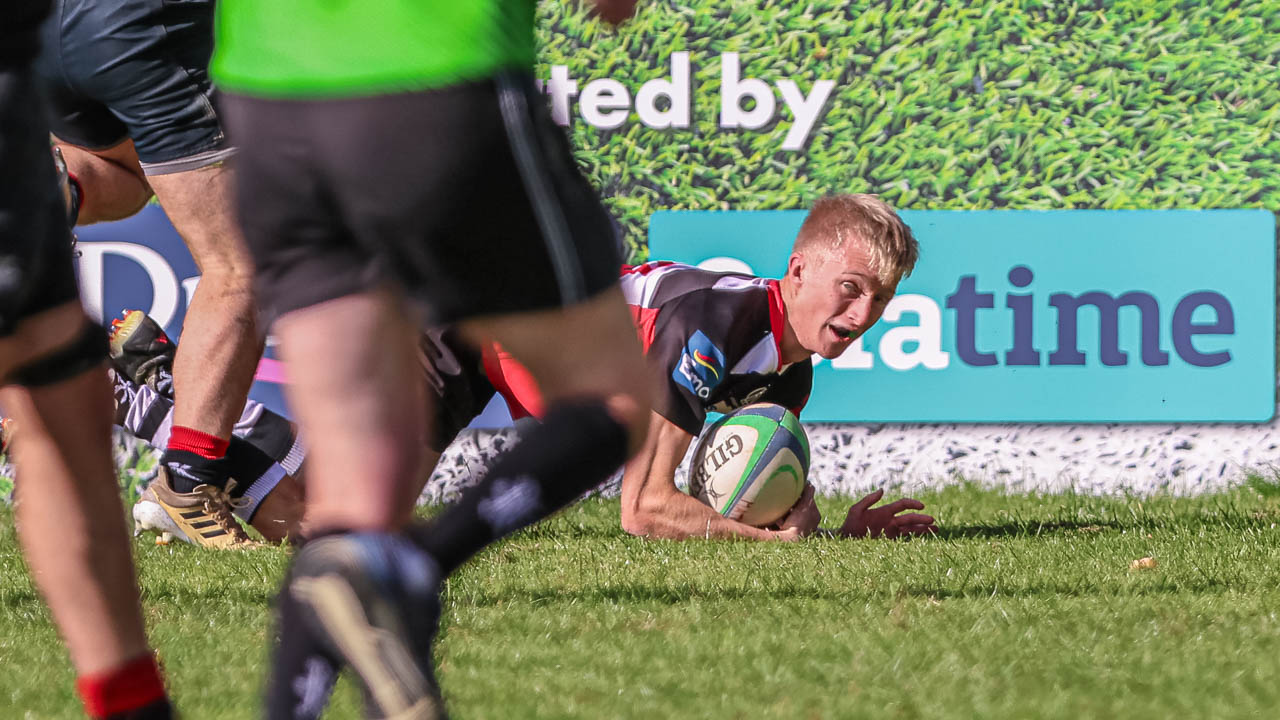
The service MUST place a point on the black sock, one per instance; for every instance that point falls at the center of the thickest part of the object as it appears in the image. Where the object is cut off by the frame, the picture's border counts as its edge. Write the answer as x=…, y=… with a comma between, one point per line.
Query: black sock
x=158, y=710
x=188, y=470
x=576, y=447
x=302, y=672
x=246, y=463
x=304, y=668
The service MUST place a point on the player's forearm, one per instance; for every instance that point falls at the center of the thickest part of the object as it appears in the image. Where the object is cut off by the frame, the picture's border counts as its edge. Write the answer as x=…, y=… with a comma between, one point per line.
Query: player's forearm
x=652, y=507
x=682, y=517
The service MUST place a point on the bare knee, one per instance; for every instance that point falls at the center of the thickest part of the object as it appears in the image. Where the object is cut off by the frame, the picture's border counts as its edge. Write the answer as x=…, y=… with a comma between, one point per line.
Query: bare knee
x=227, y=280
x=41, y=334
x=279, y=516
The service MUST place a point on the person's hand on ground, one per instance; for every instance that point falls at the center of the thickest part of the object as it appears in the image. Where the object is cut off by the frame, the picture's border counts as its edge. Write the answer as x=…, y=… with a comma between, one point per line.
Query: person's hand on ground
x=864, y=521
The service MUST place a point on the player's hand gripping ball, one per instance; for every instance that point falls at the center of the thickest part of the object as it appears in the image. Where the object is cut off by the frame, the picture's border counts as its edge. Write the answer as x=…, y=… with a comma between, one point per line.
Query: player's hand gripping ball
x=751, y=465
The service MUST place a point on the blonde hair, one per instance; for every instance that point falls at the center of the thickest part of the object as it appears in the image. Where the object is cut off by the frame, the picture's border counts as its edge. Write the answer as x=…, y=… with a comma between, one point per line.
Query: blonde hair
x=836, y=219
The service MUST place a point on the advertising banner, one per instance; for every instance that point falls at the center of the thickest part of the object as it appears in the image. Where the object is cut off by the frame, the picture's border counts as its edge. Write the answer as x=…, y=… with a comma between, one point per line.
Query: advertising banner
x=141, y=263
x=1069, y=108
x=1039, y=316
x=1135, y=104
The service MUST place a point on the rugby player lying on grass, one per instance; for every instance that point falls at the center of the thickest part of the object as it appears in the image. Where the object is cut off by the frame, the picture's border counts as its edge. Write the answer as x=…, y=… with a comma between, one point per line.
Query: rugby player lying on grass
x=263, y=457
x=715, y=342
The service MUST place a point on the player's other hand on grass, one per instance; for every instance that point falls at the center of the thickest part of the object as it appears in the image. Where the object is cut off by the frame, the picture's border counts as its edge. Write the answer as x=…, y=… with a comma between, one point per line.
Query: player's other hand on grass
x=885, y=521
x=614, y=12
x=804, y=516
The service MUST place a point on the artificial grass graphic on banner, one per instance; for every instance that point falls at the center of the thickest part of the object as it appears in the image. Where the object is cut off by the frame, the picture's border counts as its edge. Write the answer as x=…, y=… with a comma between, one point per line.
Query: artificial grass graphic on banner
x=935, y=105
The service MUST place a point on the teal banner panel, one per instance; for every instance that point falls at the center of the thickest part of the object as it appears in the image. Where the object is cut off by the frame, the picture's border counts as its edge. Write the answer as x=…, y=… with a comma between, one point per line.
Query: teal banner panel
x=1040, y=316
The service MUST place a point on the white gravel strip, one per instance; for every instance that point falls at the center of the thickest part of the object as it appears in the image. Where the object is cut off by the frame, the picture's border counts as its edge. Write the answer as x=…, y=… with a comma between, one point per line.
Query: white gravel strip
x=1093, y=459
x=855, y=459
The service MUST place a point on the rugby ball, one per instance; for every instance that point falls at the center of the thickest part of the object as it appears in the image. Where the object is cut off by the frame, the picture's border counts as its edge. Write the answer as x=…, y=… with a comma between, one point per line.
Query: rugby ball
x=751, y=465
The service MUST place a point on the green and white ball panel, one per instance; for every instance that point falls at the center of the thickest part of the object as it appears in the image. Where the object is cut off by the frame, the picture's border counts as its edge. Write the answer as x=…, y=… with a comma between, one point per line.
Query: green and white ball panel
x=751, y=465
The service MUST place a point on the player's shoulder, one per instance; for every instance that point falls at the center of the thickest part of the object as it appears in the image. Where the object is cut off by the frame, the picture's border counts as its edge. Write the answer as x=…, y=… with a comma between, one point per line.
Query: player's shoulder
x=655, y=284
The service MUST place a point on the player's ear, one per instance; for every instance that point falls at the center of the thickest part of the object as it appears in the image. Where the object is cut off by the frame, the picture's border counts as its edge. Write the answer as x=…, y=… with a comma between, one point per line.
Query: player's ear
x=796, y=267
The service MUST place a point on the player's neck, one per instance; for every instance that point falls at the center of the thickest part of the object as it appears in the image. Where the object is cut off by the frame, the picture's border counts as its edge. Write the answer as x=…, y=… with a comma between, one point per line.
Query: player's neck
x=791, y=349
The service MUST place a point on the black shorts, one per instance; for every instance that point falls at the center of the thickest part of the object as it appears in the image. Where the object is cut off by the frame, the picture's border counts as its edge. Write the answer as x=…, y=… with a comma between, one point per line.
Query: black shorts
x=36, y=271
x=113, y=70
x=467, y=198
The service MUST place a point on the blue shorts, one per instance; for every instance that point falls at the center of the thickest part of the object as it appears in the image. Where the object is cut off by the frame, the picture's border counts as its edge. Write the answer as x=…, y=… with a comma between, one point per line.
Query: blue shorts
x=113, y=70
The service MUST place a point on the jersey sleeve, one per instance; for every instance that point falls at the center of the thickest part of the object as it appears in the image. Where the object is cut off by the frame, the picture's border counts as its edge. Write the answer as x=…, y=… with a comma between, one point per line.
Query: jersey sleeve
x=687, y=359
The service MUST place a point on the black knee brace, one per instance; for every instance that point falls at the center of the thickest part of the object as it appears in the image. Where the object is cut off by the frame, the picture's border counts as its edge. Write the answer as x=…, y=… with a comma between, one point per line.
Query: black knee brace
x=85, y=352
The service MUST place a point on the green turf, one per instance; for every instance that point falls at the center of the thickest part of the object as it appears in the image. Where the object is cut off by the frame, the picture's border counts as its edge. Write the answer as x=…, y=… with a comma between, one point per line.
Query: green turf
x=1024, y=607
x=938, y=104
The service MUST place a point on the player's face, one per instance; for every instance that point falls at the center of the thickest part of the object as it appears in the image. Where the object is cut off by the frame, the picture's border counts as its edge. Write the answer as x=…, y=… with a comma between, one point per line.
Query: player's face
x=838, y=298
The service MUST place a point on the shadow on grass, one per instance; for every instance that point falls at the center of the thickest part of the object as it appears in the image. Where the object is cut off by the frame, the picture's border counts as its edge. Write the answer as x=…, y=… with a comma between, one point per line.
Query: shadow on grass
x=629, y=593
x=1026, y=529
x=978, y=592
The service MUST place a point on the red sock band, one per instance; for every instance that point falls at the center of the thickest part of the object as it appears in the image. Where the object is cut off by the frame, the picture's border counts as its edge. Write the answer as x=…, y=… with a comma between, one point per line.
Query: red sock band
x=136, y=684
x=200, y=443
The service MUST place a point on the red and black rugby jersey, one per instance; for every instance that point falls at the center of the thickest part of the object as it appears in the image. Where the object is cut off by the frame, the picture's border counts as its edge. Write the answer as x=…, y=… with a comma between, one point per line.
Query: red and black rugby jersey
x=713, y=341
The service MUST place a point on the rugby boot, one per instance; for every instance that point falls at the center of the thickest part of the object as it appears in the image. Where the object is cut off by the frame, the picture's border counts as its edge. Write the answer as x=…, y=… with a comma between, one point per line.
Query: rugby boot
x=7, y=428
x=202, y=517
x=142, y=352
x=372, y=601
x=149, y=516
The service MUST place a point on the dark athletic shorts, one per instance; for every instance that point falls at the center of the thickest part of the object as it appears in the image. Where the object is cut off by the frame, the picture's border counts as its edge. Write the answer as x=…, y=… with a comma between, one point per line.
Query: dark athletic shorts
x=467, y=198
x=112, y=70
x=35, y=244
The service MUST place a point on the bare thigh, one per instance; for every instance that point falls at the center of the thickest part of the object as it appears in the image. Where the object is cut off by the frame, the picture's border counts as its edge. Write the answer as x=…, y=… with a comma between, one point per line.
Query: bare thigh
x=200, y=205
x=588, y=350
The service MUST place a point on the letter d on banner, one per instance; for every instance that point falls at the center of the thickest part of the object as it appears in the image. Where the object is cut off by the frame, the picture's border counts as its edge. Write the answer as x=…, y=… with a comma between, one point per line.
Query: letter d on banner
x=164, y=284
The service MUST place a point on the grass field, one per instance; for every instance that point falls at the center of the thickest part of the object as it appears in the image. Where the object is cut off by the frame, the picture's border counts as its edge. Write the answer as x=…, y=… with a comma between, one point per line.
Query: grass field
x=1023, y=607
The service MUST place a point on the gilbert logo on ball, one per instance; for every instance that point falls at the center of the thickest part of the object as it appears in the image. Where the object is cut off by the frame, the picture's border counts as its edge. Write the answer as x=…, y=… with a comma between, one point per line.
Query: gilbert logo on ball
x=751, y=465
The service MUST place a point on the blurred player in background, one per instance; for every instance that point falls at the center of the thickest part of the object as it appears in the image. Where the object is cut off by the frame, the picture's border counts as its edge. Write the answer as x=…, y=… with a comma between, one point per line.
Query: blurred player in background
x=131, y=108
x=395, y=156
x=264, y=447
x=52, y=368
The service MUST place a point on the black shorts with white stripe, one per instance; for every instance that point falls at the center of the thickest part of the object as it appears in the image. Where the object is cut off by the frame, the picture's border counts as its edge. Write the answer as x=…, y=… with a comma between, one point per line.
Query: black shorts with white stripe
x=467, y=197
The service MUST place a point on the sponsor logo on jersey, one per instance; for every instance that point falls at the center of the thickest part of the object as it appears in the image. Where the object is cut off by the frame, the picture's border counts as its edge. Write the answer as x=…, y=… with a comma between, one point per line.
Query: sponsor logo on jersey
x=705, y=362
x=701, y=365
